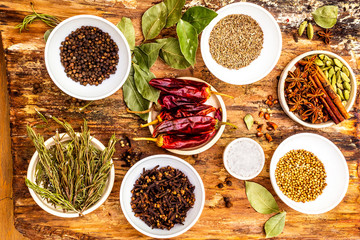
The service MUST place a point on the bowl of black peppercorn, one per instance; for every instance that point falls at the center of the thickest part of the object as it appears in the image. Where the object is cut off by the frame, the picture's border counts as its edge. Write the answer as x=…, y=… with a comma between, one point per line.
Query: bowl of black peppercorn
x=87, y=57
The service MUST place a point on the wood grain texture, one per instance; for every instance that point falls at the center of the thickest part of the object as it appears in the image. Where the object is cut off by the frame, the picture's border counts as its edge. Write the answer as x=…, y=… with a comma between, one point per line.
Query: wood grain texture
x=25, y=65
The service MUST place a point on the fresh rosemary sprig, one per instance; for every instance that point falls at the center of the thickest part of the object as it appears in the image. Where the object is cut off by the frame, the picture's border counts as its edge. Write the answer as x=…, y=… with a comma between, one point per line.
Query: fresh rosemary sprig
x=50, y=20
x=71, y=174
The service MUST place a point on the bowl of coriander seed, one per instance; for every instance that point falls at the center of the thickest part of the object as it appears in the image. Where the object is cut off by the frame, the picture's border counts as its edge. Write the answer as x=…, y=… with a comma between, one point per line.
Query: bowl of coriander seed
x=87, y=57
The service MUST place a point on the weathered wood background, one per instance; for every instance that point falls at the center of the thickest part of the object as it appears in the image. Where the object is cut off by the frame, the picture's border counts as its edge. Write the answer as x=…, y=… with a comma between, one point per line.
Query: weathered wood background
x=25, y=66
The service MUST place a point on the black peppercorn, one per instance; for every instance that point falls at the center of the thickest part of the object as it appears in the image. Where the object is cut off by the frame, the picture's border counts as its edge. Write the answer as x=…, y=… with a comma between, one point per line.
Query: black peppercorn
x=226, y=199
x=220, y=185
x=89, y=55
x=229, y=183
x=228, y=204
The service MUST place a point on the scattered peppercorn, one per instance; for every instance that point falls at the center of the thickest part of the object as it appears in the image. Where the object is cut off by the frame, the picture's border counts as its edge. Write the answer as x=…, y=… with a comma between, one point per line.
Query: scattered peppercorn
x=220, y=185
x=227, y=199
x=300, y=175
x=228, y=204
x=229, y=183
x=89, y=55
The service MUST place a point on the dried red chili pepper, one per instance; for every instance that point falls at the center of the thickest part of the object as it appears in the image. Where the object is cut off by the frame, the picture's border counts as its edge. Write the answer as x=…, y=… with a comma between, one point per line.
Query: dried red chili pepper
x=179, y=141
x=189, y=125
x=171, y=101
x=181, y=112
x=184, y=88
x=218, y=114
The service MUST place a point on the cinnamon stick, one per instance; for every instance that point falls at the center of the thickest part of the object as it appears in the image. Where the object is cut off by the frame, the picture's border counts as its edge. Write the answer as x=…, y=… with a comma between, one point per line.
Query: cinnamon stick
x=336, y=99
x=328, y=104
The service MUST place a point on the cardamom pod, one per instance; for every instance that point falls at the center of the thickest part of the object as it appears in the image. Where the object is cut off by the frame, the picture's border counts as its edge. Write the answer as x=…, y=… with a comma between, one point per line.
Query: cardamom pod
x=339, y=85
x=249, y=121
x=346, y=94
x=333, y=80
x=302, y=27
x=319, y=62
x=328, y=63
x=334, y=86
x=310, y=31
x=340, y=94
x=346, y=71
x=338, y=63
x=321, y=56
x=344, y=77
x=347, y=86
x=336, y=68
x=344, y=103
x=331, y=72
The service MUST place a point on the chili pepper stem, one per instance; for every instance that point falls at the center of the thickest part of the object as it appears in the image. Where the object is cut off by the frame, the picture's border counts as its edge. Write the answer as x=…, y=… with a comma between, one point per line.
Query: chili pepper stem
x=156, y=121
x=138, y=112
x=229, y=124
x=159, y=140
x=221, y=94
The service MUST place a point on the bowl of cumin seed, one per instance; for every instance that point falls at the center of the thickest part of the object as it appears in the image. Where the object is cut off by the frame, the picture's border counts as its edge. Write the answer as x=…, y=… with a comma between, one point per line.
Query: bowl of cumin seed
x=242, y=44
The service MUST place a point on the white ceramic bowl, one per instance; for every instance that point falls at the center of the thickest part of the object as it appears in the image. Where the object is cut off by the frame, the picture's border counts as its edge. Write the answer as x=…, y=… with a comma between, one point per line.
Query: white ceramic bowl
x=58, y=211
x=214, y=100
x=268, y=57
x=239, y=143
x=335, y=167
x=56, y=69
x=149, y=163
x=291, y=67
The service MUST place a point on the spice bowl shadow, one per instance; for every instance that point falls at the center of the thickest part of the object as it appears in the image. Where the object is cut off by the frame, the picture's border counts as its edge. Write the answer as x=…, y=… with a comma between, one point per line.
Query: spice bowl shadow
x=291, y=67
x=57, y=71
x=50, y=208
x=150, y=162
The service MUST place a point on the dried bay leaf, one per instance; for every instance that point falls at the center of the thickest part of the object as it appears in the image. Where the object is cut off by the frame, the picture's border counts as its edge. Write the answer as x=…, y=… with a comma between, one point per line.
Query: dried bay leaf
x=260, y=198
x=152, y=52
x=275, y=225
x=153, y=21
x=126, y=27
x=188, y=40
x=249, y=121
x=133, y=98
x=142, y=79
x=47, y=34
x=174, y=8
x=326, y=16
x=140, y=58
x=199, y=17
x=171, y=54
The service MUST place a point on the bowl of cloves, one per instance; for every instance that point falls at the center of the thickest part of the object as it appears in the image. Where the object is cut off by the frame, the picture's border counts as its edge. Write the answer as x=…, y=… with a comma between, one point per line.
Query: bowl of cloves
x=162, y=196
x=317, y=89
x=87, y=57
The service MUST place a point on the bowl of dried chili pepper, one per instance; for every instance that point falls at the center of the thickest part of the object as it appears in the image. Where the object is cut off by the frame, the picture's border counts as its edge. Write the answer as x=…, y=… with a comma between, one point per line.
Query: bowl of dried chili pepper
x=162, y=196
x=317, y=89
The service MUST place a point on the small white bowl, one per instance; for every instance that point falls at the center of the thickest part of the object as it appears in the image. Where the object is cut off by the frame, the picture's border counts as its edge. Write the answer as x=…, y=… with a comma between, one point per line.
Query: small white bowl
x=56, y=69
x=57, y=211
x=336, y=169
x=291, y=67
x=244, y=143
x=214, y=100
x=149, y=163
x=268, y=57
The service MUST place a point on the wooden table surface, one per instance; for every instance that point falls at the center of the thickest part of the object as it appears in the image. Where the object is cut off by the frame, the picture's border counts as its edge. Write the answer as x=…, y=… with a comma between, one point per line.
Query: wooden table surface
x=24, y=55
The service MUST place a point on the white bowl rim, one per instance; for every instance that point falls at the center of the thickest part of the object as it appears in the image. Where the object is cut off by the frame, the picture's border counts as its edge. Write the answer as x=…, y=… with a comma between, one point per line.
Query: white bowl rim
x=69, y=214
x=217, y=135
x=287, y=201
x=262, y=158
x=149, y=158
x=278, y=32
x=99, y=19
x=281, y=85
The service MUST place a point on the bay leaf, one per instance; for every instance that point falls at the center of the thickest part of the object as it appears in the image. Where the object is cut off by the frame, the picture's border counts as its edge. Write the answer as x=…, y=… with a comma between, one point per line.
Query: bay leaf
x=140, y=58
x=133, y=98
x=47, y=34
x=171, y=54
x=152, y=51
x=188, y=40
x=142, y=79
x=275, y=225
x=260, y=198
x=153, y=21
x=326, y=16
x=126, y=27
x=174, y=8
x=199, y=17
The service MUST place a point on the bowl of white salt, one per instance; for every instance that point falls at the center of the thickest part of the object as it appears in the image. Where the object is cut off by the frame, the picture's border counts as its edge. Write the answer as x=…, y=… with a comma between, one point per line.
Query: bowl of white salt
x=244, y=158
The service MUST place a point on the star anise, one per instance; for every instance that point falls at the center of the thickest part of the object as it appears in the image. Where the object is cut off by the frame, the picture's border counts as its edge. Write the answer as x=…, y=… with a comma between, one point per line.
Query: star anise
x=315, y=94
x=295, y=103
x=326, y=35
x=314, y=112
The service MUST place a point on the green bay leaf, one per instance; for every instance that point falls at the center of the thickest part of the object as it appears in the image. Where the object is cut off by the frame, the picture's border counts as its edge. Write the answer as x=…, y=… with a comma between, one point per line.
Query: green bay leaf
x=140, y=58
x=174, y=8
x=142, y=78
x=199, y=17
x=171, y=54
x=188, y=40
x=152, y=52
x=326, y=16
x=275, y=225
x=47, y=34
x=153, y=21
x=133, y=98
x=126, y=27
x=260, y=198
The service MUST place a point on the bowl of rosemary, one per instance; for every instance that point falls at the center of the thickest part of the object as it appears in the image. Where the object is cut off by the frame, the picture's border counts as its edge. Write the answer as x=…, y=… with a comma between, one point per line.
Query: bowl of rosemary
x=317, y=89
x=70, y=174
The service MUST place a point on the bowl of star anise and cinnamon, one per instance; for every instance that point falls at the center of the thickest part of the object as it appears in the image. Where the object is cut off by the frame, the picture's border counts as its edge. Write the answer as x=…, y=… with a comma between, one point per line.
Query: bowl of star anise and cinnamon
x=317, y=89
